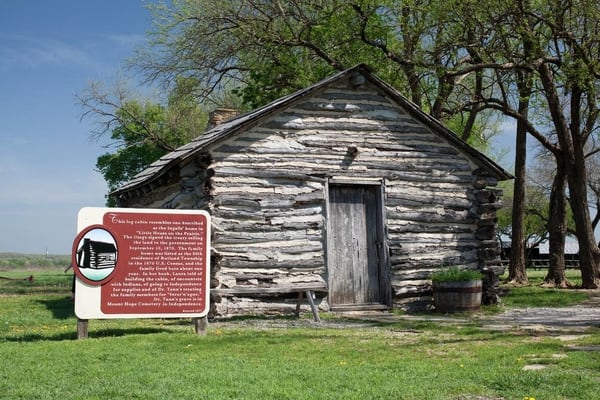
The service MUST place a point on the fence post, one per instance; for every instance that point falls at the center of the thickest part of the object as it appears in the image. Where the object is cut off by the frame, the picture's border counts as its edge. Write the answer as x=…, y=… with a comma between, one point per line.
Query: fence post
x=82, y=328
x=200, y=325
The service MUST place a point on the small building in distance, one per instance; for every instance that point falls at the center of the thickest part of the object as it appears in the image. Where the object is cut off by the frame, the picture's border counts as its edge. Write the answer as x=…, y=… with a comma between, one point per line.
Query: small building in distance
x=345, y=184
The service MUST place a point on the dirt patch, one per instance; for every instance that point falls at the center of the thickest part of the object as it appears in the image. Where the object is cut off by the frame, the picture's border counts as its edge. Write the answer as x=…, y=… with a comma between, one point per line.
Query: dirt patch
x=534, y=367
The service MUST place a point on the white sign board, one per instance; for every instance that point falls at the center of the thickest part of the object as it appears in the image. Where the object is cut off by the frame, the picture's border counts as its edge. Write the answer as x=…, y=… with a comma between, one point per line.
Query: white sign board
x=141, y=263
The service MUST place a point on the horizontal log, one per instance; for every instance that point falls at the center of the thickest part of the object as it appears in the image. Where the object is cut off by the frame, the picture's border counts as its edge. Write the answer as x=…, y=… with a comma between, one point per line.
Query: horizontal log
x=286, y=288
x=371, y=138
x=345, y=106
x=323, y=166
x=397, y=199
x=391, y=173
x=224, y=225
x=400, y=265
x=402, y=227
x=265, y=277
x=273, y=172
x=445, y=216
x=406, y=288
x=309, y=264
x=302, y=122
x=268, y=236
x=234, y=200
x=272, y=250
x=282, y=181
x=324, y=149
x=269, y=216
x=419, y=249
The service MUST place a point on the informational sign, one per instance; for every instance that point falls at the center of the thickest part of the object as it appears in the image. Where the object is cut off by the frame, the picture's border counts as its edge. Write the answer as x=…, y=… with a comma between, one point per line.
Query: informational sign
x=141, y=263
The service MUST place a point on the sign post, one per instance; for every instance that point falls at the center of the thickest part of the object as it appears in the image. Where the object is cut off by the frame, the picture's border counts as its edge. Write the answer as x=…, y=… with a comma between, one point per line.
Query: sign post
x=141, y=263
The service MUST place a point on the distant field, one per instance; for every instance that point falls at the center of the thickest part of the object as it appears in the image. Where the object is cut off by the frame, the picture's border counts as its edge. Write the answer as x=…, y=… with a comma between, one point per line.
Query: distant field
x=12, y=261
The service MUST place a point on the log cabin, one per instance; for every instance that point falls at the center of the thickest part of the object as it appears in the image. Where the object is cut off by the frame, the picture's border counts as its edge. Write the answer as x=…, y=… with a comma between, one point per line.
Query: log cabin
x=345, y=187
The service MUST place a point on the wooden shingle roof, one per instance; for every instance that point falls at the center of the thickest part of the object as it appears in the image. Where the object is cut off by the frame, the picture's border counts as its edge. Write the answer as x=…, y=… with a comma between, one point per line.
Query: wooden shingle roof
x=227, y=129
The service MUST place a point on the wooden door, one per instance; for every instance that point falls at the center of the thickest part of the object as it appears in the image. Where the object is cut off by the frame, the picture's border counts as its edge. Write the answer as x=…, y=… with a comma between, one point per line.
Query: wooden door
x=357, y=278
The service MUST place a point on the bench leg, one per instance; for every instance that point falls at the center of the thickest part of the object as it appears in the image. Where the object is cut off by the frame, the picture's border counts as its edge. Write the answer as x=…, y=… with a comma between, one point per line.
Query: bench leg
x=298, y=304
x=313, y=307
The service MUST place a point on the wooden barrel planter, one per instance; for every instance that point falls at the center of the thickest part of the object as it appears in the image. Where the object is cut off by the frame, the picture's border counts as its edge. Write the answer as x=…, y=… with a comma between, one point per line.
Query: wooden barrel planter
x=463, y=296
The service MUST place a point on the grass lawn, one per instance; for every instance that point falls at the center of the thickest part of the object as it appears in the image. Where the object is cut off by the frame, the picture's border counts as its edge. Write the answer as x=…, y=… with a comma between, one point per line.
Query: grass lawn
x=249, y=359
x=534, y=295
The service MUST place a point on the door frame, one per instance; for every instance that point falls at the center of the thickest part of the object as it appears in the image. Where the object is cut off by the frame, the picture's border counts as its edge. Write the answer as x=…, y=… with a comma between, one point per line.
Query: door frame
x=385, y=288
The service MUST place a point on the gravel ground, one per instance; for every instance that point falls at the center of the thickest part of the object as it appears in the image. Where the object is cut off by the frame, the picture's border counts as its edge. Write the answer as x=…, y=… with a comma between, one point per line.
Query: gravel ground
x=565, y=319
x=574, y=318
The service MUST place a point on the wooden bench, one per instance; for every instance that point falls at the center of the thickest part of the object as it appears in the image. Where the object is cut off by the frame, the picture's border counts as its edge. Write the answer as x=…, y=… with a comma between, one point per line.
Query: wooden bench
x=306, y=290
x=200, y=324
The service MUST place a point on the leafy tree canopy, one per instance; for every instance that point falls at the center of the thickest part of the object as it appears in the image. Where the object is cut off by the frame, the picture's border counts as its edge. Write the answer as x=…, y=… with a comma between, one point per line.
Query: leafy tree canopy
x=141, y=131
x=265, y=49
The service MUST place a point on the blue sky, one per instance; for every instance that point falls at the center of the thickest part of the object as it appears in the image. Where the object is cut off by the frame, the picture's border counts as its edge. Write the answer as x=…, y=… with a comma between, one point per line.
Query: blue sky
x=49, y=52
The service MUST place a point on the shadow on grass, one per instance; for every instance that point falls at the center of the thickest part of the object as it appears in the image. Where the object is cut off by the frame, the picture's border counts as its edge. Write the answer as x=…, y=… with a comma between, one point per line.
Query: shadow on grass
x=62, y=308
x=256, y=317
x=35, y=337
x=101, y=333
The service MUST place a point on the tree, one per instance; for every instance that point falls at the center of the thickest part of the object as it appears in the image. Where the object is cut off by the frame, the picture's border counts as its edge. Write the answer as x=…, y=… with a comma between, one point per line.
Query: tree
x=535, y=224
x=568, y=70
x=556, y=44
x=140, y=131
x=270, y=48
x=593, y=168
x=454, y=58
x=550, y=176
x=517, y=271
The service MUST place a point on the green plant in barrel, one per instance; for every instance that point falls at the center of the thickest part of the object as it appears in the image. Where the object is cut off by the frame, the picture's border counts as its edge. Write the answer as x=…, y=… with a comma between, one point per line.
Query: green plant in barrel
x=456, y=289
x=456, y=274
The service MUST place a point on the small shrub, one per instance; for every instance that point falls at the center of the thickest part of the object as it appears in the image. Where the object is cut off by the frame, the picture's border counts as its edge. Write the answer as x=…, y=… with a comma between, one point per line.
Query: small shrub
x=455, y=274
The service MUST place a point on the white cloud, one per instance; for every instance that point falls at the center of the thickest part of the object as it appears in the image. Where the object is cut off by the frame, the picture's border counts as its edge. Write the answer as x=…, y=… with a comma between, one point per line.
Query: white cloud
x=128, y=41
x=18, y=51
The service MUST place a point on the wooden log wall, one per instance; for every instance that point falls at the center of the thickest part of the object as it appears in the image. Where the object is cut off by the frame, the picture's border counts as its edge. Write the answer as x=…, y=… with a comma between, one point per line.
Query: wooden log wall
x=265, y=189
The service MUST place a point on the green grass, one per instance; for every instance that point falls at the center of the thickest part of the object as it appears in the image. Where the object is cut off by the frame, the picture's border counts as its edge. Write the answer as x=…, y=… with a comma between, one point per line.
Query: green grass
x=42, y=281
x=536, y=276
x=536, y=295
x=244, y=359
x=11, y=261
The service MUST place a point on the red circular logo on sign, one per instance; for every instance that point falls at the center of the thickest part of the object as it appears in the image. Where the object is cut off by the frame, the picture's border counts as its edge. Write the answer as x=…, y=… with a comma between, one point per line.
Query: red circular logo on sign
x=94, y=255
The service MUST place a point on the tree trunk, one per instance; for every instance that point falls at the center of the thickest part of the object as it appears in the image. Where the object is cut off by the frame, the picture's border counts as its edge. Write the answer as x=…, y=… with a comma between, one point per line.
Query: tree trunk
x=589, y=254
x=557, y=227
x=572, y=148
x=517, y=269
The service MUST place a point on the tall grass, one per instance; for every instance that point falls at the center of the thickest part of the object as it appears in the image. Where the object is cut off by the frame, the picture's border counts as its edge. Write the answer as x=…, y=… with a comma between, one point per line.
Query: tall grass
x=279, y=358
x=12, y=261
